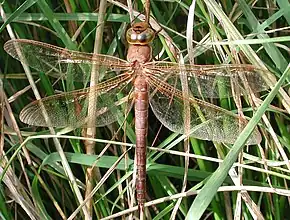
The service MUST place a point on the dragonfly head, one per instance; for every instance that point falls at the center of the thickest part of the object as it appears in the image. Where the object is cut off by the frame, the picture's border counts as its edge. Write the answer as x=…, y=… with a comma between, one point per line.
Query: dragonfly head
x=140, y=34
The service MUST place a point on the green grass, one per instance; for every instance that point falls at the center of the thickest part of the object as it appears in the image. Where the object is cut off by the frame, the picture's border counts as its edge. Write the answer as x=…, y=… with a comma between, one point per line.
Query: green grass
x=43, y=174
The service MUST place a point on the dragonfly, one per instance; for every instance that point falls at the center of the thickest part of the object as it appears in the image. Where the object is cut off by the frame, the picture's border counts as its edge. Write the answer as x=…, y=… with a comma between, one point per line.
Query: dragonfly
x=144, y=82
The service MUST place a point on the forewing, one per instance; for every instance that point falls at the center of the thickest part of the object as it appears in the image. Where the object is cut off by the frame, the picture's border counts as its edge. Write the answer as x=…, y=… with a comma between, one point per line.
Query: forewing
x=211, y=81
x=71, y=109
x=59, y=62
x=207, y=121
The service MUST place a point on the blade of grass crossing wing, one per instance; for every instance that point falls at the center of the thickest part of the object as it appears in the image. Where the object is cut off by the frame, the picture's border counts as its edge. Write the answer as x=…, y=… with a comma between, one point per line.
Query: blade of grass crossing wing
x=209, y=190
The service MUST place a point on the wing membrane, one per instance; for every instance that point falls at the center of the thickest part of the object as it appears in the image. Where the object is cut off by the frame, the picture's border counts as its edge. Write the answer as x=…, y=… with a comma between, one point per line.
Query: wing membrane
x=59, y=62
x=207, y=121
x=209, y=80
x=71, y=109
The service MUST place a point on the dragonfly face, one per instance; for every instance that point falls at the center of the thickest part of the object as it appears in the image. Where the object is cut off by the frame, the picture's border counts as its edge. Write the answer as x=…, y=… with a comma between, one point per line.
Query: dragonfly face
x=140, y=34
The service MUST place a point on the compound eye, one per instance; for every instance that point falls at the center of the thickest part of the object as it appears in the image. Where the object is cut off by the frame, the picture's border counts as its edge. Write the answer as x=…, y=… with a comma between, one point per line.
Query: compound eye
x=134, y=37
x=142, y=38
x=131, y=36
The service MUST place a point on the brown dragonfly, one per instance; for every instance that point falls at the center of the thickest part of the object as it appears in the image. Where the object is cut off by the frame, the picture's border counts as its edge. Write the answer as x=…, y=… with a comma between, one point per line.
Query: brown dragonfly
x=144, y=82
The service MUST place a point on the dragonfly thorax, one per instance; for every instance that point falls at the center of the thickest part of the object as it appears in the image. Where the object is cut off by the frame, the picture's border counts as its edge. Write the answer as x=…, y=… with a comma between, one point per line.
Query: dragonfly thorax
x=139, y=54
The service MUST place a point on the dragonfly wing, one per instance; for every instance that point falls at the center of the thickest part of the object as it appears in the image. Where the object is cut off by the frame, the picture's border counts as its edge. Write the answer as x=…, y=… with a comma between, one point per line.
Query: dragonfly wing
x=71, y=108
x=211, y=81
x=61, y=62
x=207, y=121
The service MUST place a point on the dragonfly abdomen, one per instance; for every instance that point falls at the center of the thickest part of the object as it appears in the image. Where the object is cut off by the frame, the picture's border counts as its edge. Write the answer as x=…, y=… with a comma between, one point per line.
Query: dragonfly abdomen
x=141, y=127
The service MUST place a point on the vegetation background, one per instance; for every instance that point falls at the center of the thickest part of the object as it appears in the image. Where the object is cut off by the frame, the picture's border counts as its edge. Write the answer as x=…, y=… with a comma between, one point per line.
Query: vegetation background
x=35, y=185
